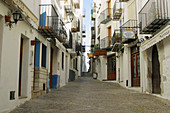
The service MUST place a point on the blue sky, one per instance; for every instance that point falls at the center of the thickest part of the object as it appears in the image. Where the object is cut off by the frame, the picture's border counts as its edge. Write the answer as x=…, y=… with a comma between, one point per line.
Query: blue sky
x=87, y=5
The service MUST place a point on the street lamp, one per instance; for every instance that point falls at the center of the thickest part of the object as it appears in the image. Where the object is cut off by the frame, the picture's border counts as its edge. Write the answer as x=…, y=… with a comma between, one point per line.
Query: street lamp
x=17, y=17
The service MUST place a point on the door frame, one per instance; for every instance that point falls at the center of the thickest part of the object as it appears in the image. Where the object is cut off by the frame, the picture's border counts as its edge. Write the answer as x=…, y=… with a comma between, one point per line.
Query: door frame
x=51, y=66
x=137, y=78
x=20, y=66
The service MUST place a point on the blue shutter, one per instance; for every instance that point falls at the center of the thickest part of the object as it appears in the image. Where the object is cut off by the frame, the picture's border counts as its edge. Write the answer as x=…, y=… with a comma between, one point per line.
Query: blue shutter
x=42, y=19
x=37, y=54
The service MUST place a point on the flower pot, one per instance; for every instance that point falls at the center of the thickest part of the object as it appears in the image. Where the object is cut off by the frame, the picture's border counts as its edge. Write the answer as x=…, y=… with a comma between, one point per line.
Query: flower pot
x=7, y=18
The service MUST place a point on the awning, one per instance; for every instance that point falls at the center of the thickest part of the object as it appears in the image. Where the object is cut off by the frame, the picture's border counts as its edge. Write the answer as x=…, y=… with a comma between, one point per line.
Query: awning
x=157, y=38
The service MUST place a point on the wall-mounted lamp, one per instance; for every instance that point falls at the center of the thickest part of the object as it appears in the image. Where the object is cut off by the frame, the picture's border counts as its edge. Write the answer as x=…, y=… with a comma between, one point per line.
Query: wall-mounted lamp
x=16, y=17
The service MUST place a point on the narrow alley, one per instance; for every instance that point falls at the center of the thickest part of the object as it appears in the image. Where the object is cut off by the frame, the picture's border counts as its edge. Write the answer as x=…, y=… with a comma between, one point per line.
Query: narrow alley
x=87, y=95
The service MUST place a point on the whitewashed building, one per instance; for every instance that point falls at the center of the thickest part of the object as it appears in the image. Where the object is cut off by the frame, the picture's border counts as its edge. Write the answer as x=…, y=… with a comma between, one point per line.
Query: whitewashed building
x=38, y=51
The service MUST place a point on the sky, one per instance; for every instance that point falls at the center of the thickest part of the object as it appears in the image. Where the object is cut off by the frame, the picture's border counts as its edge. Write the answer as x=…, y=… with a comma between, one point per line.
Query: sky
x=87, y=6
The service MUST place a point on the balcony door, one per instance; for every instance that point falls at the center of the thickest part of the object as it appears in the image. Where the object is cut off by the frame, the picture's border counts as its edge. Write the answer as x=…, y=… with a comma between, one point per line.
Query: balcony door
x=135, y=67
x=111, y=68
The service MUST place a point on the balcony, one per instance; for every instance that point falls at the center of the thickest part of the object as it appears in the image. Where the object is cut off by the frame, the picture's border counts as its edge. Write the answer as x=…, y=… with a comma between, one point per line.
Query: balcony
x=68, y=7
x=92, y=42
x=117, y=11
x=50, y=25
x=116, y=40
x=129, y=31
x=105, y=43
x=76, y=4
x=105, y=16
x=69, y=43
x=75, y=25
x=123, y=0
x=78, y=47
x=154, y=15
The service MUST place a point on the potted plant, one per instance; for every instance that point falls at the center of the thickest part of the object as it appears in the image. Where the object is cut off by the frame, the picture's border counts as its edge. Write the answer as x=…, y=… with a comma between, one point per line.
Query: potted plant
x=7, y=18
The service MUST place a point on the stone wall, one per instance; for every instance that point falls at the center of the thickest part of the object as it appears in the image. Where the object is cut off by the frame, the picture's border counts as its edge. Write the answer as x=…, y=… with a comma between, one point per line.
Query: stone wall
x=41, y=82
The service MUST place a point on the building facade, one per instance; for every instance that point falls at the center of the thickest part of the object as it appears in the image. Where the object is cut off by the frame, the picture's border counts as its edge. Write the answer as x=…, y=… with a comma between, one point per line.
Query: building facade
x=136, y=54
x=40, y=48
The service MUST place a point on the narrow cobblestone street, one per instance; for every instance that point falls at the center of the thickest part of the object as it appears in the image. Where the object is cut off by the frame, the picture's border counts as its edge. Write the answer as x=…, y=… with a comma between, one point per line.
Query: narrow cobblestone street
x=86, y=95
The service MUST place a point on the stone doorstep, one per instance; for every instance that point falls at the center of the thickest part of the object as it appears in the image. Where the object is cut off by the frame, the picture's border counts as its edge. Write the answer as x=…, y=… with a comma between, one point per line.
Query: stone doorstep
x=138, y=89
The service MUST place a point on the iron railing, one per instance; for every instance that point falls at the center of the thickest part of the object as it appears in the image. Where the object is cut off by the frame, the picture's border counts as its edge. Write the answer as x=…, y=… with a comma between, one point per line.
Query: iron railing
x=153, y=15
x=61, y=30
x=47, y=10
x=117, y=10
x=105, y=42
x=117, y=37
x=106, y=16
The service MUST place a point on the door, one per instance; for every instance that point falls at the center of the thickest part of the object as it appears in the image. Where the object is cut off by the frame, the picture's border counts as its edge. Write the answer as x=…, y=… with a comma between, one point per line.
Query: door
x=20, y=67
x=51, y=67
x=109, y=35
x=109, y=9
x=135, y=67
x=155, y=71
x=111, y=68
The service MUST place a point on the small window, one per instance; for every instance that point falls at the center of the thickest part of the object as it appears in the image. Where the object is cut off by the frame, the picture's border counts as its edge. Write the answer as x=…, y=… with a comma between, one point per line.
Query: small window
x=62, y=60
x=44, y=49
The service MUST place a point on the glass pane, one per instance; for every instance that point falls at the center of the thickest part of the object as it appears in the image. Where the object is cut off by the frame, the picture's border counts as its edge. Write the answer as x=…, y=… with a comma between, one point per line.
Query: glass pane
x=134, y=50
x=134, y=66
x=138, y=64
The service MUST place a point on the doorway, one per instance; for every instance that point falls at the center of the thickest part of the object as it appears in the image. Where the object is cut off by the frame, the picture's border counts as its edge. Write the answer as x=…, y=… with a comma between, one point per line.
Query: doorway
x=20, y=67
x=135, y=67
x=111, y=67
x=155, y=71
x=23, y=67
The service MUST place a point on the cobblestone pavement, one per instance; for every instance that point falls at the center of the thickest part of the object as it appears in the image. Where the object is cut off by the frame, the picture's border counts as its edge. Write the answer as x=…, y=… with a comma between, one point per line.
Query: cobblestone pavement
x=86, y=95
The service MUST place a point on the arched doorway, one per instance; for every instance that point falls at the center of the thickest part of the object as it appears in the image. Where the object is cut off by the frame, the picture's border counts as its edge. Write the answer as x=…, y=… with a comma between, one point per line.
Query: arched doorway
x=156, y=80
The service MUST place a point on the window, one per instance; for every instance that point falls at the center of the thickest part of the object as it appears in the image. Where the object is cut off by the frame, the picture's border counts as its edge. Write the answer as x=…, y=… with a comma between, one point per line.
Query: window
x=62, y=60
x=44, y=51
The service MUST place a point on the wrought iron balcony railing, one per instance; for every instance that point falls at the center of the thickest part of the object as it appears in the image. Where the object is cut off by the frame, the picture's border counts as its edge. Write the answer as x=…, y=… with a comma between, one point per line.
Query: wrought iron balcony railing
x=78, y=47
x=50, y=25
x=93, y=34
x=75, y=25
x=116, y=40
x=123, y=0
x=106, y=16
x=154, y=15
x=117, y=11
x=61, y=32
x=69, y=7
x=105, y=42
x=117, y=37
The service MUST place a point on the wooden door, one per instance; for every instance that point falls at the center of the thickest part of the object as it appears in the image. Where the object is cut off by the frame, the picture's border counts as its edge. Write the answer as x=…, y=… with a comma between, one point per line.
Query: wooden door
x=20, y=67
x=109, y=9
x=135, y=67
x=109, y=35
x=51, y=67
x=111, y=68
x=155, y=71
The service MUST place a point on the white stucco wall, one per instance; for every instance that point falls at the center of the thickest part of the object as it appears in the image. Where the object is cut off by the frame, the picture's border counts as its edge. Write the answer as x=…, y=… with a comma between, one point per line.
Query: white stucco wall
x=102, y=68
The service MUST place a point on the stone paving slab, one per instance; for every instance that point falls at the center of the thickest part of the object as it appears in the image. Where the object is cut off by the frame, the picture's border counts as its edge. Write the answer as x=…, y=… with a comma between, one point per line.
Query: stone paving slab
x=86, y=95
